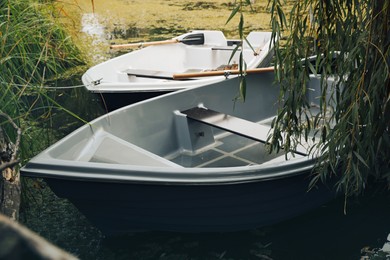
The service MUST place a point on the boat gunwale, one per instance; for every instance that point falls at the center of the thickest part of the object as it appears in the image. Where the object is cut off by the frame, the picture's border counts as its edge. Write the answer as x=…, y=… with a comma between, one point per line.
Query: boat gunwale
x=160, y=85
x=105, y=172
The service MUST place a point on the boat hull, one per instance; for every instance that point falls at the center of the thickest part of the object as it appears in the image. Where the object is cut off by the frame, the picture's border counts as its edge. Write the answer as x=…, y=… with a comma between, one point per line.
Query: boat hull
x=119, y=208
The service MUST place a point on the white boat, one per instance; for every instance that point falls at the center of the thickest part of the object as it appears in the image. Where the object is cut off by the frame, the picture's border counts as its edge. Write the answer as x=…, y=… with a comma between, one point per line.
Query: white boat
x=149, y=71
x=193, y=160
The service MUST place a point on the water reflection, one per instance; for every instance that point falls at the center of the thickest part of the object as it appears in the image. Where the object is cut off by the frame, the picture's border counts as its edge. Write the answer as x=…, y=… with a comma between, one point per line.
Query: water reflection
x=95, y=34
x=90, y=25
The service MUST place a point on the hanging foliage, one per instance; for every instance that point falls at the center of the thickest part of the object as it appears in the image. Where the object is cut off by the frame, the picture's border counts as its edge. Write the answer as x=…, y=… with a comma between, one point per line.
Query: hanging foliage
x=350, y=39
x=347, y=41
x=238, y=9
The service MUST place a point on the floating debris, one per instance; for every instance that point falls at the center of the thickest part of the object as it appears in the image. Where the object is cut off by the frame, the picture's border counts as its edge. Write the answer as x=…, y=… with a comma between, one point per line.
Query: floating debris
x=383, y=253
x=386, y=246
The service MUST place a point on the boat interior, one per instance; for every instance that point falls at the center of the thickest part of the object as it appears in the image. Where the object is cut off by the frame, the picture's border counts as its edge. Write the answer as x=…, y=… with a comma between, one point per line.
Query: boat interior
x=222, y=141
x=190, y=128
x=200, y=145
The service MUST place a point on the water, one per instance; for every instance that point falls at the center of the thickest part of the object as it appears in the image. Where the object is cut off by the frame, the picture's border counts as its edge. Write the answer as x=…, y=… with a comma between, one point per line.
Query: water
x=94, y=32
x=91, y=26
x=325, y=233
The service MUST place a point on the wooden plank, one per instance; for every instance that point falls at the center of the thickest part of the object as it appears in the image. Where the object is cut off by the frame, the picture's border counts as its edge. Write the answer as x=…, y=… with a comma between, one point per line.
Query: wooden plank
x=225, y=73
x=231, y=124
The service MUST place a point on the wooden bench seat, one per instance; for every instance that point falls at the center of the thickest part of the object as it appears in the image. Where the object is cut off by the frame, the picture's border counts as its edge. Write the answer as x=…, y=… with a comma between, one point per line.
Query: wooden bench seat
x=234, y=125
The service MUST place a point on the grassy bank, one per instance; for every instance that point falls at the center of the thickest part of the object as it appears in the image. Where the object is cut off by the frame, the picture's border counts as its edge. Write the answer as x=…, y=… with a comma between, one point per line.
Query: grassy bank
x=34, y=50
x=139, y=20
x=158, y=17
x=36, y=54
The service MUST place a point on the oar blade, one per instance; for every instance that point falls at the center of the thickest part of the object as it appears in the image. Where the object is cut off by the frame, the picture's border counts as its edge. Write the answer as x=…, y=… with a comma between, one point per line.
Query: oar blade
x=193, y=39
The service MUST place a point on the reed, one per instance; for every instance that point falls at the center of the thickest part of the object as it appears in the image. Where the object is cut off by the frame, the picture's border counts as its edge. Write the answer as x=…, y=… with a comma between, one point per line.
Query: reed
x=34, y=49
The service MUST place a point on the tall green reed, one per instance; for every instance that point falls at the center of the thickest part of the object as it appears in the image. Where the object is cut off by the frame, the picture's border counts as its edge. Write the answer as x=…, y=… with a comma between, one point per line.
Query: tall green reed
x=34, y=49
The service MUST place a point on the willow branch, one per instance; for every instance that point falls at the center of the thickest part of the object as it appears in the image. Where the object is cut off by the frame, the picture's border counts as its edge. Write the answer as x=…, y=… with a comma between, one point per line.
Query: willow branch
x=10, y=164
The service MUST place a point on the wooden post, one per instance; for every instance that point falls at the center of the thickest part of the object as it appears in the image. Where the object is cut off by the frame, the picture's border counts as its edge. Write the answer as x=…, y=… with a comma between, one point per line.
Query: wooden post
x=17, y=242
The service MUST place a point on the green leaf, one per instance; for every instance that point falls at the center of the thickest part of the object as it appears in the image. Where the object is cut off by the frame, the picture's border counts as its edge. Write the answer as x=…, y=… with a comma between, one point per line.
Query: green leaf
x=233, y=13
x=241, y=26
x=249, y=44
x=233, y=53
x=360, y=158
x=312, y=69
x=243, y=88
x=282, y=17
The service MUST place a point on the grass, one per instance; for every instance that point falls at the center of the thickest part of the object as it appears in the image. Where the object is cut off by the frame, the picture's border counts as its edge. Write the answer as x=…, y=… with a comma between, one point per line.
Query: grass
x=188, y=15
x=33, y=49
x=138, y=20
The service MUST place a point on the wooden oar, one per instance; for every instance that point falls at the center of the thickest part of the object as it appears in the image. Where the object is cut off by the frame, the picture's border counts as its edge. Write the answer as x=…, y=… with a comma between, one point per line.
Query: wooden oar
x=192, y=39
x=220, y=73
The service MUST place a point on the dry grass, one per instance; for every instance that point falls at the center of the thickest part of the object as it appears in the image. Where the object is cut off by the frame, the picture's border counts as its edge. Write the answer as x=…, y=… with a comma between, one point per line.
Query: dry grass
x=178, y=14
x=135, y=20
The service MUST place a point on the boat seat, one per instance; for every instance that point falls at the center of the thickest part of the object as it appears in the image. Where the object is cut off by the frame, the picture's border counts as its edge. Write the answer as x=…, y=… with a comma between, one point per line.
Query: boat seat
x=152, y=74
x=213, y=37
x=227, y=48
x=234, y=125
x=111, y=149
x=257, y=39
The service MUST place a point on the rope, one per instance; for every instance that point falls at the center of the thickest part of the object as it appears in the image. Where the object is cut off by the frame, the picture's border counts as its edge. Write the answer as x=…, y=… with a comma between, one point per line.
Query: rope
x=43, y=87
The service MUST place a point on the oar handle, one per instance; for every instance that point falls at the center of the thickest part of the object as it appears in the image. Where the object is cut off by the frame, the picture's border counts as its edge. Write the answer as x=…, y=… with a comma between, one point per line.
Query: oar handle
x=142, y=44
x=220, y=73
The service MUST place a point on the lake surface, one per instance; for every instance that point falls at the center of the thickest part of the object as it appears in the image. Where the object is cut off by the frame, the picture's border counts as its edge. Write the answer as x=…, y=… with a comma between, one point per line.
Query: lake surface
x=325, y=233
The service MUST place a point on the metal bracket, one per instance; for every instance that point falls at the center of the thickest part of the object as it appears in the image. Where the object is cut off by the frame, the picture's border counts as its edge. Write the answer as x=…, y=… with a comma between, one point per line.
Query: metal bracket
x=96, y=82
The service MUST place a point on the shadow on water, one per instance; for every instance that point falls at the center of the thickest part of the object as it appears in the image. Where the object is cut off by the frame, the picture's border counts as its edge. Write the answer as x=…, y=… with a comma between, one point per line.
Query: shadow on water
x=328, y=233
x=324, y=233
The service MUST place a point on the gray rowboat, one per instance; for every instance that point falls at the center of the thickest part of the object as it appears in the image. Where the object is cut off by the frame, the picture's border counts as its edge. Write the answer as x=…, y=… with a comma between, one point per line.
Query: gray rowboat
x=190, y=161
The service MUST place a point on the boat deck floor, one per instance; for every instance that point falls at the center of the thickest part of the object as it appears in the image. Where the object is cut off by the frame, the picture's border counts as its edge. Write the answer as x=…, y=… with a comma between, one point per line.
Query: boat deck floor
x=227, y=149
x=230, y=150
